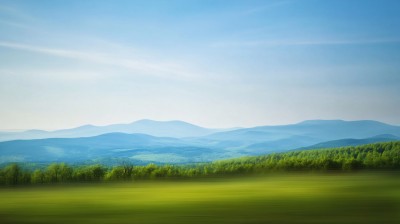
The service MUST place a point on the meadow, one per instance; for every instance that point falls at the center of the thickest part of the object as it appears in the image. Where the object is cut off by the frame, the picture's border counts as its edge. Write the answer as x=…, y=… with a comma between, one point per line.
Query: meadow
x=294, y=197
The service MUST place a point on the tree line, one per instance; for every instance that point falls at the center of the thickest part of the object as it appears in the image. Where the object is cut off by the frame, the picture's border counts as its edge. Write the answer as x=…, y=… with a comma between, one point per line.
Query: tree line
x=379, y=156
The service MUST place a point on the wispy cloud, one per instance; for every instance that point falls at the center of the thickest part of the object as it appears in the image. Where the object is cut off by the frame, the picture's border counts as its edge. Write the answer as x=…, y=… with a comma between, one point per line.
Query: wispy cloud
x=278, y=43
x=16, y=14
x=158, y=69
x=133, y=64
x=14, y=24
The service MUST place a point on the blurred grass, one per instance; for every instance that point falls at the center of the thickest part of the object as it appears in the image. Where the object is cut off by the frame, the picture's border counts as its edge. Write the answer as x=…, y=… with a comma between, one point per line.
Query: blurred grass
x=291, y=198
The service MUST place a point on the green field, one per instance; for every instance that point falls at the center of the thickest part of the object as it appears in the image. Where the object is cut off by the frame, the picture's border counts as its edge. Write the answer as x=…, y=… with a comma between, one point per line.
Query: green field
x=279, y=198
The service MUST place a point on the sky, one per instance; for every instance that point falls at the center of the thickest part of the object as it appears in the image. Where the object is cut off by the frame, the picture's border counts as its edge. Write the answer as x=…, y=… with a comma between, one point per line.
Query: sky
x=212, y=63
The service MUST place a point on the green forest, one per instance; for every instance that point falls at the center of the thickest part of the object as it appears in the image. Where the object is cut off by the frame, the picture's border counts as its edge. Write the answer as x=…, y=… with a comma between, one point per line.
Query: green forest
x=379, y=156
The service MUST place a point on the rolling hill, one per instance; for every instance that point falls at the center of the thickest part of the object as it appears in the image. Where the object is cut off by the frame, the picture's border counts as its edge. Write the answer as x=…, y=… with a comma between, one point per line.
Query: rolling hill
x=137, y=148
x=352, y=142
x=265, y=139
x=175, y=129
x=107, y=146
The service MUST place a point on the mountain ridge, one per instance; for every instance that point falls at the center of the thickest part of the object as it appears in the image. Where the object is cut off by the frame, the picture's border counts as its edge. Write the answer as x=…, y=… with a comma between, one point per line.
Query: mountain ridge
x=352, y=142
x=217, y=145
x=174, y=128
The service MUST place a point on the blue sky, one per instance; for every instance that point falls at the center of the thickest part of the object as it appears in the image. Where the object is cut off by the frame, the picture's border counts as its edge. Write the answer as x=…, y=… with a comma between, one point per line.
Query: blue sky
x=211, y=63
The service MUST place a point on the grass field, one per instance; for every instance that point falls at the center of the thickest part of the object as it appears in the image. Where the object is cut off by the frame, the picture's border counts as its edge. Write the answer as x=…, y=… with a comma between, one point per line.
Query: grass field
x=291, y=198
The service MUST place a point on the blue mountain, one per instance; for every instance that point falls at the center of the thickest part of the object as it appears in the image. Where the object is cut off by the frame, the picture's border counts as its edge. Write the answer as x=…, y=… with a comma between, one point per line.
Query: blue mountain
x=177, y=129
x=137, y=148
x=71, y=146
x=352, y=142
x=265, y=139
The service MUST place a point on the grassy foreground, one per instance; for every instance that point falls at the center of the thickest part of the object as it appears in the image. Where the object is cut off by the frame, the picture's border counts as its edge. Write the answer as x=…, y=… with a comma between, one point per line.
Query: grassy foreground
x=291, y=198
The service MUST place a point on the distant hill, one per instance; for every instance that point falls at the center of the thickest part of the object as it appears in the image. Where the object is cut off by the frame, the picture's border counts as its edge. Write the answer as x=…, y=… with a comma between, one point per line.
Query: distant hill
x=285, y=137
x=176, y=129
x=144, y=141
x=353, y=142
x=135, y=148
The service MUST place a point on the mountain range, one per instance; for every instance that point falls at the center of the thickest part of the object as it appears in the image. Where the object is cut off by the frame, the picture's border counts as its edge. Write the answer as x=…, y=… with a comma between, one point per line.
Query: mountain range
x=175, y=129
x=147, y=141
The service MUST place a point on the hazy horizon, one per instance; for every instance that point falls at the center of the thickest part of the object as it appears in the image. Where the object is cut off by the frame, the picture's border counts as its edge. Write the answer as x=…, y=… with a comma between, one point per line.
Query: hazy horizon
x=228, y=127
x=216, y=64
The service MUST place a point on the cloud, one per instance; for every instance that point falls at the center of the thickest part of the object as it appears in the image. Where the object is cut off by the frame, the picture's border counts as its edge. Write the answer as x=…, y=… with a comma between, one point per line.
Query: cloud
x=14, y=24
x=301, y=42
x=158, y=69
x=137, y=65
x=16, y=14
